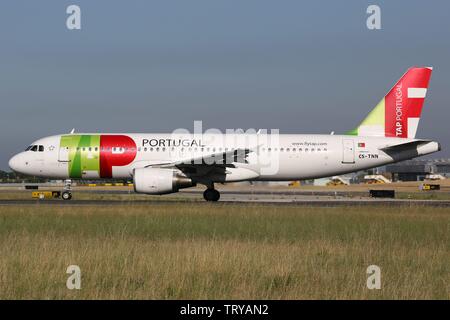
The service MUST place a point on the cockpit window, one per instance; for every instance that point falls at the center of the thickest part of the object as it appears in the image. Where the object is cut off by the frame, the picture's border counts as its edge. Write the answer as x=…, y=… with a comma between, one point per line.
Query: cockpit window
x=35, y=148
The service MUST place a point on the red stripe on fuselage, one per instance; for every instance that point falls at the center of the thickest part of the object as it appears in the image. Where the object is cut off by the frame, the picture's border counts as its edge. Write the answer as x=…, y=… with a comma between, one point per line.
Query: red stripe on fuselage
x=115, y=151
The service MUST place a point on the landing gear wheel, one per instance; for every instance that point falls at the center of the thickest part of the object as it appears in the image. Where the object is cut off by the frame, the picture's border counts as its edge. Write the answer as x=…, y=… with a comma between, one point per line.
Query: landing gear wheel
x=66, y=195
x=211, y=195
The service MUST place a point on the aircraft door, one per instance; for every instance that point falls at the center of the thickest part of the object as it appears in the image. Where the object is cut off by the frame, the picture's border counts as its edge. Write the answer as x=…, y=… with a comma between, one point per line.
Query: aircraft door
x=63, y=154
x=348, y=151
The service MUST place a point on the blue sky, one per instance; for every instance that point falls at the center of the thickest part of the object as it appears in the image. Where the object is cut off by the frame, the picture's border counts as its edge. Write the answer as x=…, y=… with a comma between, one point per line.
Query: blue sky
x=154, y=66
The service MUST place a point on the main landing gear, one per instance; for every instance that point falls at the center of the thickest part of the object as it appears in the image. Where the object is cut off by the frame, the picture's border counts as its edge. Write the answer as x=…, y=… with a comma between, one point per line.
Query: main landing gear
x=67, y=194
x=211, y=194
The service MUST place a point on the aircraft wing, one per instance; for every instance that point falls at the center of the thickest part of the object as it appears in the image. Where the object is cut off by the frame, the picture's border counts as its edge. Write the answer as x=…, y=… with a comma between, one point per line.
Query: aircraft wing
x=220, y=159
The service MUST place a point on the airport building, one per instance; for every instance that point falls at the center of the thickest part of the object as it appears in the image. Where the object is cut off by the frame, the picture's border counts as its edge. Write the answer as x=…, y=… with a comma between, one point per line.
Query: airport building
x=418, y=170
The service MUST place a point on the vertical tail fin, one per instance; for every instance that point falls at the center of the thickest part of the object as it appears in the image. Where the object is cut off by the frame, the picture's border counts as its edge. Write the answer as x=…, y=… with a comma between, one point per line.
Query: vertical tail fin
x=398, y=113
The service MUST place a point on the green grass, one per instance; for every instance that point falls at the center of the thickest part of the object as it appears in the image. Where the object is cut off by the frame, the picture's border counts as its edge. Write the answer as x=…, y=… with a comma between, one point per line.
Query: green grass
x=217, y=251
x=424, y=195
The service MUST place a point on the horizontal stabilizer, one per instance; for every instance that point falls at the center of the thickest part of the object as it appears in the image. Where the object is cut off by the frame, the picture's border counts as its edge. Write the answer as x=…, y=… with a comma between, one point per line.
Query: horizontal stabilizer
x=404, y=145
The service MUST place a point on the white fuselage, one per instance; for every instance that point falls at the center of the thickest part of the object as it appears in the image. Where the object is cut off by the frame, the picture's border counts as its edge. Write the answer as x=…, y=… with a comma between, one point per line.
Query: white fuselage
x=280, y=157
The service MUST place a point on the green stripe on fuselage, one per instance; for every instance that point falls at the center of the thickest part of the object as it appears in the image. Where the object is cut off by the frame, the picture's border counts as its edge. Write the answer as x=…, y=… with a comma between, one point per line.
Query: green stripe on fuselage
x=84, y=153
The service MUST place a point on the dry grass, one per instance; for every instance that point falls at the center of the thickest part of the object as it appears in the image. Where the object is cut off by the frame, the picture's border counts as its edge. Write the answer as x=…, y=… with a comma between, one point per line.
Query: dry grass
x=207, y=251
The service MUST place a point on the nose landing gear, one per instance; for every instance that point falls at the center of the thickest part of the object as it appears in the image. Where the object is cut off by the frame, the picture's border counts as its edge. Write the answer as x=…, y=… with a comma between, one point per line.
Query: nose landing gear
x=67, y=194
x=211, y=194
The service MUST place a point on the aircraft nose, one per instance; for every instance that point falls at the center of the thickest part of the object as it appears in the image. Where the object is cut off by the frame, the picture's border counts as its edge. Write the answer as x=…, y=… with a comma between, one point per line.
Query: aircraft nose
x=14, y=163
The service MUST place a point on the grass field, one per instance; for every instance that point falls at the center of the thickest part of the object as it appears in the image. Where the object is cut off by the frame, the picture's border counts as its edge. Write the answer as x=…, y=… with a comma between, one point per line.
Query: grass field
x=220, y=251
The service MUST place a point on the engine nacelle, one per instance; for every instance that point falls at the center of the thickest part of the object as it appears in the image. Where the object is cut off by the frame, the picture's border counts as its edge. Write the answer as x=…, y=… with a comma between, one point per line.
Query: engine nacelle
x=159, y=181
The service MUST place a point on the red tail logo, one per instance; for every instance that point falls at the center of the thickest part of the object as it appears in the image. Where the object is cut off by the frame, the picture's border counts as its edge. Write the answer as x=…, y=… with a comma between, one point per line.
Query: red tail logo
x=403, y=103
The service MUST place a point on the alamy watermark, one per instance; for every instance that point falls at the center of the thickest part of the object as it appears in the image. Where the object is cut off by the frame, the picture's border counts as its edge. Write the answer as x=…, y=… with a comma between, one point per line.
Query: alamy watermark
x=373, y=21
x=374, y=279
x=213, y=147
x=73, y=21
x=74, y=280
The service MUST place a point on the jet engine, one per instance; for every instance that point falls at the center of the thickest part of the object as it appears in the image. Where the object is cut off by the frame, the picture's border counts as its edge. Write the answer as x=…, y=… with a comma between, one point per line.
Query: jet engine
x=159, y=181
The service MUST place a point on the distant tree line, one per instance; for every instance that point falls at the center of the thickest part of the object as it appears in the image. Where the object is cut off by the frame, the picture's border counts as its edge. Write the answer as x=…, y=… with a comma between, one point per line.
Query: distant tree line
x=13, y=177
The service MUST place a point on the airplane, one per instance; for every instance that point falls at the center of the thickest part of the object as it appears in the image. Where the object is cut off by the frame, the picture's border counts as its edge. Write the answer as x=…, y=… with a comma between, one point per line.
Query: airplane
x=165, y=163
